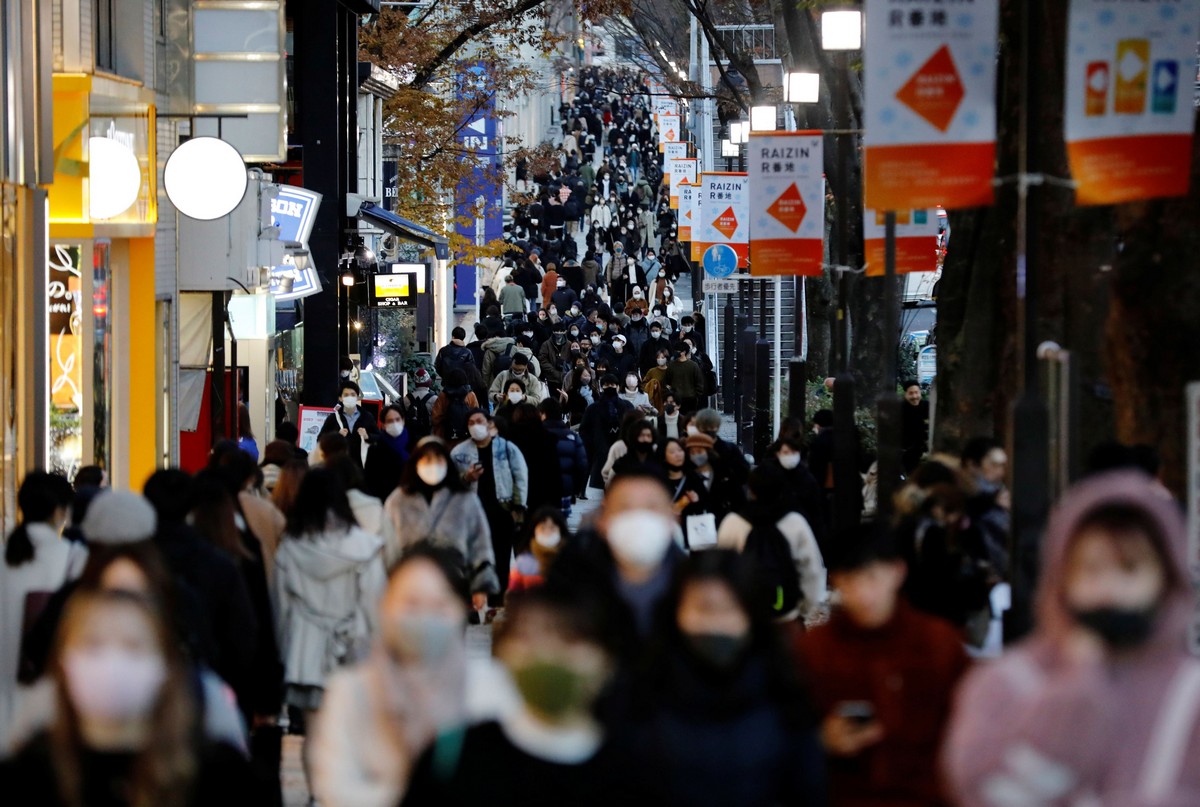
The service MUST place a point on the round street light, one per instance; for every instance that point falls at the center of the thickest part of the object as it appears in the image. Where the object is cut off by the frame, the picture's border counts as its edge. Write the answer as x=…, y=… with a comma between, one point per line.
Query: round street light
x=114, y=178
x=205, y=178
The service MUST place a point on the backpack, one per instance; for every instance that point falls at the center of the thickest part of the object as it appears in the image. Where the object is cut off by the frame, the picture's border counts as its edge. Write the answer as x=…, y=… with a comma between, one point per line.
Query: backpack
x=418, y=414
x=771, y=556
x=503, y=361
x=457, y=358
x=456, y=418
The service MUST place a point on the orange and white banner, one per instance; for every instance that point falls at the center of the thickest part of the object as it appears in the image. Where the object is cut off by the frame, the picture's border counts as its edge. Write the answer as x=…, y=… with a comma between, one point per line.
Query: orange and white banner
x=664, y=105
x=1129, y=116
x=916, y=241
x=680, y=170
x=787, y=208
x=930, y=118
x=670, y=130
x=673, y=151
x=723, y=214
x=687, y=207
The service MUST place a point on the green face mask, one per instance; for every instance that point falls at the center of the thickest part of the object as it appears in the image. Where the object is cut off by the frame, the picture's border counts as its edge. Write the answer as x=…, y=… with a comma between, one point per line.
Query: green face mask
x=553, y=689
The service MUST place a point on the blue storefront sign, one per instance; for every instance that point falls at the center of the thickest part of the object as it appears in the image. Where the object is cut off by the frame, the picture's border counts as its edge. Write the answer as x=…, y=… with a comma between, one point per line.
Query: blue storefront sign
x=480, y=192
x=294, y=211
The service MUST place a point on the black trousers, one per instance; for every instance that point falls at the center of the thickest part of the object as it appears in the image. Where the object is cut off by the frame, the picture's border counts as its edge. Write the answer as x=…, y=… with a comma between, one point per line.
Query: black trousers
x=500, y=522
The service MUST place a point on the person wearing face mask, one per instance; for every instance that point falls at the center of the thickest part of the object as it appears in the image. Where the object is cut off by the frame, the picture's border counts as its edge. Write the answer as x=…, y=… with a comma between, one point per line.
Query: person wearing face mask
x=1103, y=696
x=514, y=395
x=553, y=356
x=582, y=392
x=563, y=295
x=686, y=379
x=559, y=657
x=723, y=680
x=637, y=334
x=640, y=455
x=621, y=358
x=632, y=392
x=37, y=562
x=549, y=284
x=125, y=732
x=530, y=386
x=543, y=539
x=602, y=425
x=387, y=458
x=798, y=489
x=497, y=472
x=650, y=349
x=380, y=715
x=353, y=422
x=724, y=493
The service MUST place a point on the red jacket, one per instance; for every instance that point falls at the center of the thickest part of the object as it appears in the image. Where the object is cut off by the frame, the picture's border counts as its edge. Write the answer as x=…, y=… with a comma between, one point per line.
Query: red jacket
x=908, y=671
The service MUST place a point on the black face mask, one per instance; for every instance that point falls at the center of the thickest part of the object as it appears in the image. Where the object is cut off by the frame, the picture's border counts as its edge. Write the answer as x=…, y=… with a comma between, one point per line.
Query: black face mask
x=1120, y=628
x=718, y=650
x=669, y=409
x=645, y=448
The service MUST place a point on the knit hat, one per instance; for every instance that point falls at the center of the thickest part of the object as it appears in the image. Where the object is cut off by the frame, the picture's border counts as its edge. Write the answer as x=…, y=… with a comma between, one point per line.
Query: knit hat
x=700, y=441
x=421, y=377
x=118, y=517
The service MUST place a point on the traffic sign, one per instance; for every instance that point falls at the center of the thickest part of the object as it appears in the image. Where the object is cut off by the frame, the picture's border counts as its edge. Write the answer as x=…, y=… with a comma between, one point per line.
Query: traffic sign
x=720, y=260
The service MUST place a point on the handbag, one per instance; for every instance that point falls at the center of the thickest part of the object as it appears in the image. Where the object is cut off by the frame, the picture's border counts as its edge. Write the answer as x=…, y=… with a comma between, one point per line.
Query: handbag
x=701, y=531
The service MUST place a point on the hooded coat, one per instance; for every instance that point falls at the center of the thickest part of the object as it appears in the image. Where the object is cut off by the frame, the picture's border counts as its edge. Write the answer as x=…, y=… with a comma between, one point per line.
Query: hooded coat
x=1043, y=729
x=325, y=591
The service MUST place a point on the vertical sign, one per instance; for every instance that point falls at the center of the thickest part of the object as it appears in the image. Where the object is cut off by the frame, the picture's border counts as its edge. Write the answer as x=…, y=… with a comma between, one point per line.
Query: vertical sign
x=478, y=204
x=1129, y=115
x=787, y=208
x=916, y=241
x=669, y=130
x=665, y=105
x=674, y=151
x=930, y=109
x=680, y=170
x=687, y=204
x=723, y=214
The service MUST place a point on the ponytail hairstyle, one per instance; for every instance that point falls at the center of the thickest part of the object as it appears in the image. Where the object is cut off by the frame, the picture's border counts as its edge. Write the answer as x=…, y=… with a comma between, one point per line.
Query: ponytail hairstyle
x=41, y=495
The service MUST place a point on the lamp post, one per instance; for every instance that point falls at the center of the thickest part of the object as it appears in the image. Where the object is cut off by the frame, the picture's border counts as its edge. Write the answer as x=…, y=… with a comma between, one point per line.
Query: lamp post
x=763, y=118
x=841, y=33
x=799, y=88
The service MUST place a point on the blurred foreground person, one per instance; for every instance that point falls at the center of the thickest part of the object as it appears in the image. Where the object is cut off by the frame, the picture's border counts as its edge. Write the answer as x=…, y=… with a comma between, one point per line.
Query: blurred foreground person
x=882, y=674
x=550, y=750
x=1101, y=705
x=379, y=716
x=728, y=723
x=126, y=731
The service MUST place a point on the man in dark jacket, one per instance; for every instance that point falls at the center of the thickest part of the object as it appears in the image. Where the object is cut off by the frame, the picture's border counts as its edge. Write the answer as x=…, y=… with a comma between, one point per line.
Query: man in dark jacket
x=572, y=455
x=708, y=421
x=455, y=354
x=353, y=422
x=602, y=425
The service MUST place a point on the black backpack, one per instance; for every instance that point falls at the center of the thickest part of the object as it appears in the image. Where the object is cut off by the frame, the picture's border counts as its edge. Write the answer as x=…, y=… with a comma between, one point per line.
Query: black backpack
x=503, y=361
x=456, y=418
x=771, y=555
x=418, y=418
x=457, y=358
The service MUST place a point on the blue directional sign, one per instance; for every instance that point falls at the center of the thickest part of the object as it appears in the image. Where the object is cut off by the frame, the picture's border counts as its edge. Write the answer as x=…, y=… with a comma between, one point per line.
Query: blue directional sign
x=720, y=260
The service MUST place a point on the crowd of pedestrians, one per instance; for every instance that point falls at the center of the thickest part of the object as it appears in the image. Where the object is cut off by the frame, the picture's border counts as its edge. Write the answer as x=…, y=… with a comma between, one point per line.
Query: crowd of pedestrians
x=705, y=637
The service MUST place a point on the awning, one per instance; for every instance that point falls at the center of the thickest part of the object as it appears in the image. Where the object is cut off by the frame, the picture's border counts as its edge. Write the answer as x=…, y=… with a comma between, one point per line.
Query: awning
x=405, y=229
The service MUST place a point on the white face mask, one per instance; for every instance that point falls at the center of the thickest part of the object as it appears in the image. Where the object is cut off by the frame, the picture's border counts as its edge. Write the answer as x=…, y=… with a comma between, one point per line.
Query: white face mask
x=415, y=638
x=561, y=284
x=111, y=683
x=662, y=361
x=631, y=383
x=789, y=461
x=350, y=402
x=548, y=538
x=640, y=538
x=394, y=428
x=516, y=397
x=478, y=431
x=431, y=472
x=687, y=329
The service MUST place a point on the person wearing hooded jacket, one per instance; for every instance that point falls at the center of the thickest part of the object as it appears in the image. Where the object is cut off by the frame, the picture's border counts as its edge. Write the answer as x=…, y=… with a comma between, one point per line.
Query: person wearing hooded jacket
x=1100, y=705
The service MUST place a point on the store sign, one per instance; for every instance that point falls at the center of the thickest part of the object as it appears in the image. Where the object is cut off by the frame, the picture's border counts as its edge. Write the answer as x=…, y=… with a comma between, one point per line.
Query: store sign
x=1129, y=115
x=723, y=214
x=396, y=290
x=294, y=211
x=687, y=206
x=916, y=241
x=787, y=208
x=930, y=132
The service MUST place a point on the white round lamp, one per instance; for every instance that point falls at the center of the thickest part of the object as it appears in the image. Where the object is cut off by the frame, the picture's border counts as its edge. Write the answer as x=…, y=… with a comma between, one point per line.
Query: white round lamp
x=205, y=178
x=114, y=178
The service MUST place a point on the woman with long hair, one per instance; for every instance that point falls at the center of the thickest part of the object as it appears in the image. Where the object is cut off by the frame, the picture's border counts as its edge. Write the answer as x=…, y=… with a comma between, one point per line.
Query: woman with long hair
x=126, y=729
x=433, y=505
x=287, y=487
x=725, y=718
x=388, y=456
x=328, y=577
x=37, y=562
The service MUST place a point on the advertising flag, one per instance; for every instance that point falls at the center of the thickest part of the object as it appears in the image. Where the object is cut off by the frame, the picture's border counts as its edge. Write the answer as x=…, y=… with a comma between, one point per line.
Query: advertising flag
x=916, y=241
x=674, y=151
x=669, y=130
x=787, y=208
x=665, y=105
x=680, y=170
x=723, y=214
x=687, y=206
x=930, y=132
x=1129, y=115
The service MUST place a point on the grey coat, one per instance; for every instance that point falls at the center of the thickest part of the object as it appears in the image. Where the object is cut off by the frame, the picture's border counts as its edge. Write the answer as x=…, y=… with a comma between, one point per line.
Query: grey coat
x=451, y=520
x=325, y=591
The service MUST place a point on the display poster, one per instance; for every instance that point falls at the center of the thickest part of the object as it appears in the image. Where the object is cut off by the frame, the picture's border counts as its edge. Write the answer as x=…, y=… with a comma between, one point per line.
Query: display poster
x=687, y=206
x=787, y=206
x=312, y=418
x=670, y=130
x=723, y=214
x=916, y=241
x=680, y=170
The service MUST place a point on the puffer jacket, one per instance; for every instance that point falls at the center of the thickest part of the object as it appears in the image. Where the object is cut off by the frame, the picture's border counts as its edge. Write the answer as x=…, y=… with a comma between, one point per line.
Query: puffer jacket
x=572, y=457
x=325, y=591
